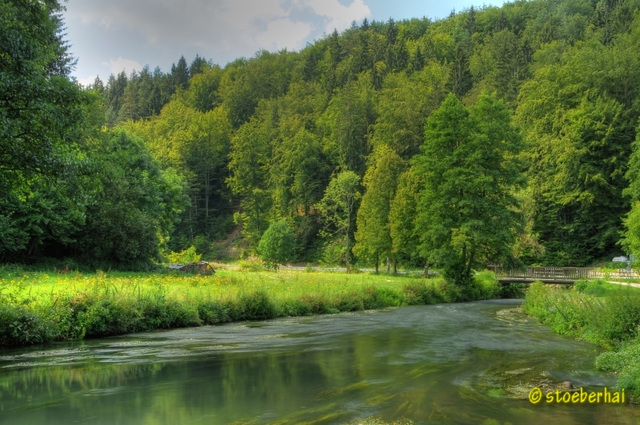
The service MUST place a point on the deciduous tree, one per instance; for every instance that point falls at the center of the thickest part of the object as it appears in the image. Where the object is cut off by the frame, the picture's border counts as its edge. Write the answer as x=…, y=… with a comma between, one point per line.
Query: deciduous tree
x=467, y=213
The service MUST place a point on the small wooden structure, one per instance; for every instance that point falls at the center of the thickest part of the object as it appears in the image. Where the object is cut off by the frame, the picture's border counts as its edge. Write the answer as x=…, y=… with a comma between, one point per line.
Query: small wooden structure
x=557, y=275
x=201, y=267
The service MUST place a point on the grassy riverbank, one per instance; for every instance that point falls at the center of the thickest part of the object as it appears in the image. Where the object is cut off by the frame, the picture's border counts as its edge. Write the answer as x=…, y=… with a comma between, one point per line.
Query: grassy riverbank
x=599, y=312
x=39, y=307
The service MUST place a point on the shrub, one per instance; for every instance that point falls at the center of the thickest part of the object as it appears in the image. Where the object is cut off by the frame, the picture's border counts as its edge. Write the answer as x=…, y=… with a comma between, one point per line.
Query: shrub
x=212, y=312
x=251, y=264
x=626, y=363
x=277, y=244
x=189, y=255
x=618, y=321
x=20, y=326
x=255, y=306
x=591, y=287
x=418, y=293
x=351, y=301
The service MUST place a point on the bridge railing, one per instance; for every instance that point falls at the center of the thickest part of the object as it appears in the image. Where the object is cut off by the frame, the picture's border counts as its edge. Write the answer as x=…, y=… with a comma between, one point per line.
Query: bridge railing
x=550, y=273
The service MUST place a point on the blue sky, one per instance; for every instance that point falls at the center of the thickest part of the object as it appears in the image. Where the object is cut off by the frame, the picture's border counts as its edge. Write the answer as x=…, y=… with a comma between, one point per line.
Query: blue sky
x=108, y=36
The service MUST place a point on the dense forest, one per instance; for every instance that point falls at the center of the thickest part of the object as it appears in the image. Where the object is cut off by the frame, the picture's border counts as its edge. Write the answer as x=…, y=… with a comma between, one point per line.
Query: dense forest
x=498, y=135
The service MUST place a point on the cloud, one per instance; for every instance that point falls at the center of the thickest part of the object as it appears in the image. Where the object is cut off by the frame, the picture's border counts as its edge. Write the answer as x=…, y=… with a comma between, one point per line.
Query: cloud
x=339, y=16
x=241, y=26
x=284, y=33
x=122, y=64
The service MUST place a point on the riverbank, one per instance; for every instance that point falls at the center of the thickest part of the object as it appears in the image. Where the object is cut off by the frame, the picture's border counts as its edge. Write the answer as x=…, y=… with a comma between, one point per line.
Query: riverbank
x=40, y=307
x=599, y=312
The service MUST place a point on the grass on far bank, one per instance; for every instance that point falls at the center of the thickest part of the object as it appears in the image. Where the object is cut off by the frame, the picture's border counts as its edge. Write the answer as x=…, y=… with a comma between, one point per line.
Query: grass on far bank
x=599, y=312
x=40, y=307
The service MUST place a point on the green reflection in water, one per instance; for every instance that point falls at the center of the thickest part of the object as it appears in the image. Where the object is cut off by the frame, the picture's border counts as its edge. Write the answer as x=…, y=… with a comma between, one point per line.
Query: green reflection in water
x=470, y=363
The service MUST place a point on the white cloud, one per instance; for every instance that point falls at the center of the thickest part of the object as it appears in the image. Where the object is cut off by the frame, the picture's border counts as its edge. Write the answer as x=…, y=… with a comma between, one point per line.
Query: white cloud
x=233, y=25
x=156, y=32
x=339, y=16
x=284, y=33
x=122, y=64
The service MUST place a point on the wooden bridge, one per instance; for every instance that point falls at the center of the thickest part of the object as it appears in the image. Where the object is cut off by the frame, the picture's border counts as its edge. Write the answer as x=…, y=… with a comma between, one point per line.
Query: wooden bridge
x=555, y=275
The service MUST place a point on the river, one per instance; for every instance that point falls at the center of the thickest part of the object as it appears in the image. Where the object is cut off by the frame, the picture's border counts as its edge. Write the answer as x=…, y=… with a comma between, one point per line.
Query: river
x=470, y=363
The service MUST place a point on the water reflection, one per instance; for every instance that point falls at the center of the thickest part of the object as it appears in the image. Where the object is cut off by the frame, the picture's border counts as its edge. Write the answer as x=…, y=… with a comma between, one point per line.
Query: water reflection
x=463, y=363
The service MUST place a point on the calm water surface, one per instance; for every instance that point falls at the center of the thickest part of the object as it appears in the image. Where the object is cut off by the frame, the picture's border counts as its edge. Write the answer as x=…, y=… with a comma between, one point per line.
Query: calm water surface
x=445, y=364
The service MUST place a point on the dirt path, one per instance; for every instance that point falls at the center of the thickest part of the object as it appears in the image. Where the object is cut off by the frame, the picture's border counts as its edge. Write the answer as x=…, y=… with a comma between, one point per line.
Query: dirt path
x=635, y=285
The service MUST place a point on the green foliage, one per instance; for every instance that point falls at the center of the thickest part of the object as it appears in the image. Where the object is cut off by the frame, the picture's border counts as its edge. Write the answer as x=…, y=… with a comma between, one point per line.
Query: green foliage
x=602, y=313
x=248, y=163
x=372, y=237
x=254, y=306
x=345, y=125
x=580, y=130
x=277, y=244
x=38, y=308
x=19, y=326
x=338, y=207
x=467, y=214
x=39, y=106
x=596, y=287
x=263, y=138
x=136, y=206
x=42, y=115
x=251, y=264
x=631, y=236
x=189, y=255
x=402, y=216
x=626, y=363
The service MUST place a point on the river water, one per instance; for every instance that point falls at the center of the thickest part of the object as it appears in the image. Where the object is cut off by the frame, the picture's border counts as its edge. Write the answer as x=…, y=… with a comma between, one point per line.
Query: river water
x=470, y=363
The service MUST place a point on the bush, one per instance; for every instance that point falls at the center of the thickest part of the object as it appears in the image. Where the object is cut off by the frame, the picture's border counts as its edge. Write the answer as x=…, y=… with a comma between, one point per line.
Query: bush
x=251, y=264
x=20, y=326
x=610, y=321
x=189, y=255
x=591, y=287
x=212, y=312
x=620, y=319
x=277, y=244
x=419, y=293
x=626, y=363
x=254, y=306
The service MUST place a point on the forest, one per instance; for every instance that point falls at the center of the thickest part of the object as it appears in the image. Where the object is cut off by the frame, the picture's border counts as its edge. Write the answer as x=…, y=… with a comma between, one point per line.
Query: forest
x=495, y=136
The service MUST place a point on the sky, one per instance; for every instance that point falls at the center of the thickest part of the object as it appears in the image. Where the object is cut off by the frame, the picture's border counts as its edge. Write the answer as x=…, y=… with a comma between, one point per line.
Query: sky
x=109, y=36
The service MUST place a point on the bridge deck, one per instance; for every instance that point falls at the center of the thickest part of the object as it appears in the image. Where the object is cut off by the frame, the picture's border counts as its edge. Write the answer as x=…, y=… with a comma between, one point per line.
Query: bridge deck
x=556, y=275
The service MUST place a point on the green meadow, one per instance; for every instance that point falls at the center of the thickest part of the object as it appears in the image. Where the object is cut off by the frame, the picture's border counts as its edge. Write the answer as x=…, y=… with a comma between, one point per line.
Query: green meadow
x=38, y=307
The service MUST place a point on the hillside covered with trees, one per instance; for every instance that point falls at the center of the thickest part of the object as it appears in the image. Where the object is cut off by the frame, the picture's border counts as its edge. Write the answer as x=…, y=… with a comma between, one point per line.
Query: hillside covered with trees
x=496, y=136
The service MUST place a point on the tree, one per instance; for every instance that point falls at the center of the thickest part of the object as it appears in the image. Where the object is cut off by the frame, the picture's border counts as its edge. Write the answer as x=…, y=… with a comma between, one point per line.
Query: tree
x=631, y=235
x=277, y=244
x=39, y=105
x=180, y=74
x=248, y=163
x=579, y=125
x=467, y=213
x=403, y=107
x=373, y=239
x=42, y=118
x=135, y=208
x=402, y=216
x=346, y=124
x=338, y=207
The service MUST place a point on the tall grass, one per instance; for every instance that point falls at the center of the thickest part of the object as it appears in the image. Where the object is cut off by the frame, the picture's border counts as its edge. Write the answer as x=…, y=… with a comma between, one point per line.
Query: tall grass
x=37, y=307
x=599, y=312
